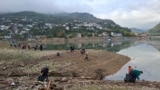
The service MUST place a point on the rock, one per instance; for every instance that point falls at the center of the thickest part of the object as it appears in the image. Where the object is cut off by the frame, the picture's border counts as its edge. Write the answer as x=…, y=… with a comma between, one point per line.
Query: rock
x=13, y=84
x=64, y=79
x=82, y=77
x=22, y=65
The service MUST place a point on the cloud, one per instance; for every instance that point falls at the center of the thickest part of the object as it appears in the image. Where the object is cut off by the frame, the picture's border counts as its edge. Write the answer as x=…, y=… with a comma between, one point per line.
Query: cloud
x=129, y=13
x=141, y=15
x=31, y=5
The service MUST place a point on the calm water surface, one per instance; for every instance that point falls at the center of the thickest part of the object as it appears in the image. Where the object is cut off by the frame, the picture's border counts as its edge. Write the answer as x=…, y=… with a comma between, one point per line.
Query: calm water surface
x=144, y=56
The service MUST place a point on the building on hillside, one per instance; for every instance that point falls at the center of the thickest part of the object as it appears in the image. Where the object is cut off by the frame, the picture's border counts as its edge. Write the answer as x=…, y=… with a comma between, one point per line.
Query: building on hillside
x=116, y=34
x=79, y=35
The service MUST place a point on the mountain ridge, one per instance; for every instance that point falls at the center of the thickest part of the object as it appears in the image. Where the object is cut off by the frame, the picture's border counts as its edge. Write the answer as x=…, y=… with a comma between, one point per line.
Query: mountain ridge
x=75, y=15
x=137, y=30
x=85, y=20
x=155, y=29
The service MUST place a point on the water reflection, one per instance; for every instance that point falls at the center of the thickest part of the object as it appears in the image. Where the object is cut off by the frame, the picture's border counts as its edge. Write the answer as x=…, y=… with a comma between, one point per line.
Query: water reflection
x=144, y=57
x=109, y=46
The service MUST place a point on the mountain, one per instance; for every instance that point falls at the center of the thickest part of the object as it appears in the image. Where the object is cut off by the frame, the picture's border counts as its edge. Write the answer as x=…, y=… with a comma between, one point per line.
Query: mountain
x=84, y=16
x=22, y=14
x=155, y=29
x=59, y=17
x=70, y=19
x=136, y=30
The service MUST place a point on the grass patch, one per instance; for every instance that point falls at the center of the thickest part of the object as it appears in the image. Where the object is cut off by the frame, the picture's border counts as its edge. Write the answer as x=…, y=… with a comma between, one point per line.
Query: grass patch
x=14, y=55
x=20, y=55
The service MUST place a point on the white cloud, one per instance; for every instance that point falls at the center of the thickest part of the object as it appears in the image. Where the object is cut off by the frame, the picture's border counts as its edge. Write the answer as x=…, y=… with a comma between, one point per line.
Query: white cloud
x=144, y=17
x=128, y=13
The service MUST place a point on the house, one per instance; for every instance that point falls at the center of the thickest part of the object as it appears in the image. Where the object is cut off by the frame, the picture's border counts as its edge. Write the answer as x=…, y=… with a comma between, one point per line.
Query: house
x=7, y=37
x=79, y=35
x=104, y=34
x=116, y=34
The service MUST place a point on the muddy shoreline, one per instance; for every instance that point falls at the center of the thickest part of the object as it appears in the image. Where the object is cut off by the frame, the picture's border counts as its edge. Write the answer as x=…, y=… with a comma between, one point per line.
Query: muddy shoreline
x=68, y=71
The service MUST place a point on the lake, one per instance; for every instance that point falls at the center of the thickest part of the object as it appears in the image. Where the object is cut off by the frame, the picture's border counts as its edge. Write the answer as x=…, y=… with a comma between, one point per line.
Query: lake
x=144, y=56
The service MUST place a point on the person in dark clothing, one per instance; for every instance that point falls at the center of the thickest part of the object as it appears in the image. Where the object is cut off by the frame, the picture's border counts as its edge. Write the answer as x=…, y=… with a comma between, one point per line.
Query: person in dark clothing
x=41, y=47
x=86, y=57
x=19, y=45
x=83, y=51
x=29, y=46
x=44, y=74
x=24, y=46
x=133, y=75
x=58, y=54
x=35, y=47
x=72, y=48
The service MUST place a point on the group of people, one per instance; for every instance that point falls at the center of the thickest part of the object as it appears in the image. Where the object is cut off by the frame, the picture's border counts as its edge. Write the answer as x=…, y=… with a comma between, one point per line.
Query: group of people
x=132, y=75
x=26, y=46
x=40, y=47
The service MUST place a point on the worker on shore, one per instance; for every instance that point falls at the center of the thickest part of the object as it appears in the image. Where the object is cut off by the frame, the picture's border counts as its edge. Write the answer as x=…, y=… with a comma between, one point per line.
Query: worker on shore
x=133, y=75
x=44, y=74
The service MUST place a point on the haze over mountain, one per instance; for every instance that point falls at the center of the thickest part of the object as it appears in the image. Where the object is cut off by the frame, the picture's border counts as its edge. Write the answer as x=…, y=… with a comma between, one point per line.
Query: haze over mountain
x=59, y=16
x=136, y=30
x=143, y=14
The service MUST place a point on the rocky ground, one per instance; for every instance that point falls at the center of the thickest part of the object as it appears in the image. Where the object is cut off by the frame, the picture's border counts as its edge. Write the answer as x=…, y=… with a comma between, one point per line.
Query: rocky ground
x=69, y=71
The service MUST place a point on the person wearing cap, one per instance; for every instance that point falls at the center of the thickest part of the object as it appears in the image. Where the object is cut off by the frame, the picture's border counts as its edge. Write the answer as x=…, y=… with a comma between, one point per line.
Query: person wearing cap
x=133, y=75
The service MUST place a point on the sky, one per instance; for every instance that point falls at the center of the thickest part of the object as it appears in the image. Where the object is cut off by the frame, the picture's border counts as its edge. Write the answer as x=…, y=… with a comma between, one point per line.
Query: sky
x=142, y=14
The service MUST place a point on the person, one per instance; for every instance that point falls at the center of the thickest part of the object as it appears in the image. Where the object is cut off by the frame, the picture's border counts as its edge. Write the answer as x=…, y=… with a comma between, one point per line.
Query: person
x=35, y=47
x=41, y=47
x=44, y=74
x=24, y=46
x=58, y=54
x=28, y=46
x=82, y=51
x=129, y=69
x=72, y=48
x=86, y=57
x=133, y=75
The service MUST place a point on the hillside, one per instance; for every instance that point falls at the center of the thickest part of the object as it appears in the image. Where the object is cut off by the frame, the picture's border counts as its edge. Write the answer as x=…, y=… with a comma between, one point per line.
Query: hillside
x=155, y=29
x=136, y=30
x=54, y=25
x=60, y=16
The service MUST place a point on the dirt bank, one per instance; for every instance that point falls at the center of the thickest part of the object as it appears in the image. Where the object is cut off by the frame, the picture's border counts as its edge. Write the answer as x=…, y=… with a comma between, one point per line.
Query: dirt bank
x=69, y=70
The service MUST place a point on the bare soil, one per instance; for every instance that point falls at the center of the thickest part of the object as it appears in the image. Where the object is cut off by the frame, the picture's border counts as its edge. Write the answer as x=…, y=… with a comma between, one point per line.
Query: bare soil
x=67, y=71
